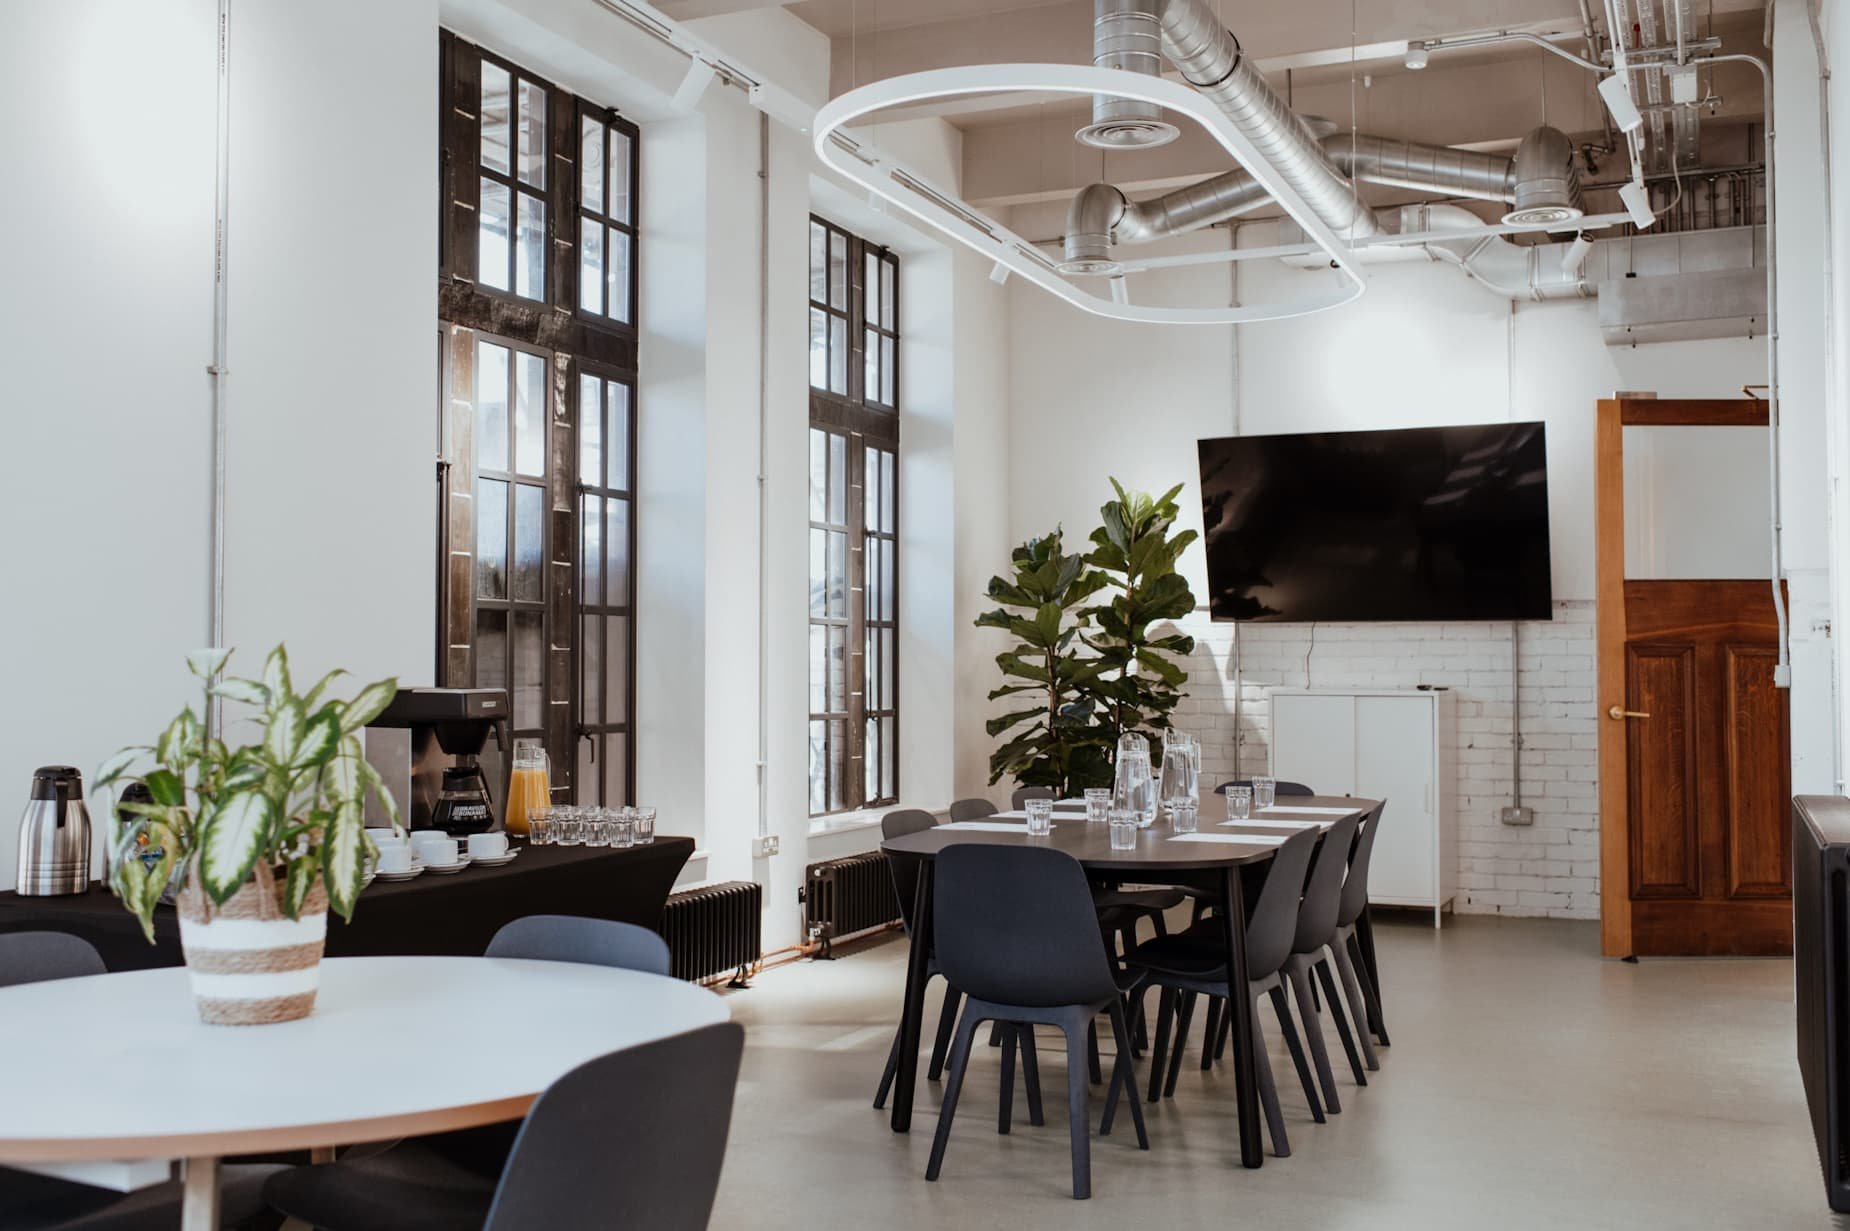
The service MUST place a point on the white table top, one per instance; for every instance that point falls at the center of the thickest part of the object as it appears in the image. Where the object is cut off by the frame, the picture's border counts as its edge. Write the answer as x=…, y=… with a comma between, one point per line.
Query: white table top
x=119, y=1066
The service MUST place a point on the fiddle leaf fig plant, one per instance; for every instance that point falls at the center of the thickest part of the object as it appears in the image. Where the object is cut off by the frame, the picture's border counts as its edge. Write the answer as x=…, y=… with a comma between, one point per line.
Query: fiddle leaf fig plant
x=289, y=808
x=1139, y=683
x=1055, y=741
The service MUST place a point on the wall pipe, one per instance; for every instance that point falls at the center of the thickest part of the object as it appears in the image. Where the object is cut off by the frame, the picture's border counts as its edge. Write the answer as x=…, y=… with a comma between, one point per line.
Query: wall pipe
x=1830, y=350
x=217, y=370
x=764, y=419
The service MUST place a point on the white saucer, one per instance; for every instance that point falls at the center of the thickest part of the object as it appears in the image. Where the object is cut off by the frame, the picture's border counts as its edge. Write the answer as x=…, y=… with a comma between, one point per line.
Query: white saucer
x=494, y=861
x=416, y=869
x=445, y=869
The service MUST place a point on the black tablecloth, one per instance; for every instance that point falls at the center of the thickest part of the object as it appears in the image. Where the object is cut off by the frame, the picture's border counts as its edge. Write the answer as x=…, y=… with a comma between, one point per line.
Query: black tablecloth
x=433, y=915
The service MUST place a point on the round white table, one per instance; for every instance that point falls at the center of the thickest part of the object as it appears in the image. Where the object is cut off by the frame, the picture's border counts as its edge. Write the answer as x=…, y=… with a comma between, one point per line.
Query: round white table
x=114, y=1075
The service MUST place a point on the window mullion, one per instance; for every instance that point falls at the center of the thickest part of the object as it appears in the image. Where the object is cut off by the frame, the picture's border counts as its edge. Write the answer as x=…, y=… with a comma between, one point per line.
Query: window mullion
x=854, y=761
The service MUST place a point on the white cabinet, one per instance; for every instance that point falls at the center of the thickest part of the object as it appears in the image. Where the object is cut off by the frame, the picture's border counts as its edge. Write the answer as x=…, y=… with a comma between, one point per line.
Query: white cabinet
x=1387, y=744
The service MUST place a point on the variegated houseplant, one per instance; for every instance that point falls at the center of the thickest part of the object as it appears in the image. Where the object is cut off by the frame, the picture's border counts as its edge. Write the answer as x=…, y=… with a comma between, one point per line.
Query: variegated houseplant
x=268, y=835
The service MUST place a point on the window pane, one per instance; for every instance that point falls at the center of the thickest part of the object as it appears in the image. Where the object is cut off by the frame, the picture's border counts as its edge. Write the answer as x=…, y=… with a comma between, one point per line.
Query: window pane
x=494, y=117
x=889, y=668
x=838, y=669
x=889, y=312
x=818, y=474
x=490, y=649
x=818, y=262
x=590, y=265
x=870, y=502
x=490, y=406
x=529, y=413
x=591, y=164
x=529, y=543
x=491, y=256
x=620, y=176
x=818, y=767
x=870, y=582
x=617, y=552
x=886, y=580
x=529, y=668
x=838, y=575
x=818, y=668
x=591, y=548
x=619, y=476
x=619, y=287
x=490, y=538
x=889, y=380
x=838, y=478
x=616, y=772
x=838, y=747
x=871, y=649
x=838, y=355
x=616, y=666
x=889, y=760
x=838, y=272
x=532, y=134
x=870, y=375
x=818, y=572
x=530, y=268
x=818, y=349
x=870, y=289
x=889, y=495
x=591, y=669
x=871, y=775
x=590, y=429
x=585, y=789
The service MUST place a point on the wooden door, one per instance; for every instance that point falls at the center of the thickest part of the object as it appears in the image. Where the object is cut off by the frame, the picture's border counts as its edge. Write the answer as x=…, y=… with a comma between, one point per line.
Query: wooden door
x=1694, y=750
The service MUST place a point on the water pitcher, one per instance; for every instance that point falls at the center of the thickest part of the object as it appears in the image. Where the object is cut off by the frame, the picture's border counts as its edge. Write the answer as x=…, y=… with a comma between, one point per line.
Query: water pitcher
x=1131, y=788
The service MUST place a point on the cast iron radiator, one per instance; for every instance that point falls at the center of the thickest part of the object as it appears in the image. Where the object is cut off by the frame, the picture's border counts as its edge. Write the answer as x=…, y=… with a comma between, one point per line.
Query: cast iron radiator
x=848, y=895
x=1821, y=970
x=714, y=929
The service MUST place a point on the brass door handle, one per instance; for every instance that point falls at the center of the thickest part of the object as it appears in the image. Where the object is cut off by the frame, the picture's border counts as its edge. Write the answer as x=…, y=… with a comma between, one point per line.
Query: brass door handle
x=1616, y=713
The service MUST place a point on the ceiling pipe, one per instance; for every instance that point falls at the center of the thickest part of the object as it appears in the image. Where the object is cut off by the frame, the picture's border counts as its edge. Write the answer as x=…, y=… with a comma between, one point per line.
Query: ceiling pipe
x=1126, y=35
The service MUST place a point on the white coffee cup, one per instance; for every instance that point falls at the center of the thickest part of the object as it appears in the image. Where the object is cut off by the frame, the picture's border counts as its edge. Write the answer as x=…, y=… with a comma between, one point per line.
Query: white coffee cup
x=424, y=841
x=439, y=852
x=487, y=845
x=395, y=857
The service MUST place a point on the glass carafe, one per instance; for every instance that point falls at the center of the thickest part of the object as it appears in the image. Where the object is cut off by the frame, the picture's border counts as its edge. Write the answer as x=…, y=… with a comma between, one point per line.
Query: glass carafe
x=1181, y=771
x=529, y=789
x=1131, y=787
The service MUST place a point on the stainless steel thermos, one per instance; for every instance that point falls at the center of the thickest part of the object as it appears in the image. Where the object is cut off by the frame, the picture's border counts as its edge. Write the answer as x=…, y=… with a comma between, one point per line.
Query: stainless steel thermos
x=54, y=835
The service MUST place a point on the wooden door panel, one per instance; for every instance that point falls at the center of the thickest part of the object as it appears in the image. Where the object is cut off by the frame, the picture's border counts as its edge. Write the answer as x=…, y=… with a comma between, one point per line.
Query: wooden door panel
x=1665, y=833
x=1755, y=728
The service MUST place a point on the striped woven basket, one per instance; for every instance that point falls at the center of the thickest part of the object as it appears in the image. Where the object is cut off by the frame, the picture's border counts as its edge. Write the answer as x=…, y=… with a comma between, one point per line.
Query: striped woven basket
x=250, y=964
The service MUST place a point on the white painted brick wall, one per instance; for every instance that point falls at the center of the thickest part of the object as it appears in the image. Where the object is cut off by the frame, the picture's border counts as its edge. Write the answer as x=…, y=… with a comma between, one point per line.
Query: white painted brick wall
x=1549, y=868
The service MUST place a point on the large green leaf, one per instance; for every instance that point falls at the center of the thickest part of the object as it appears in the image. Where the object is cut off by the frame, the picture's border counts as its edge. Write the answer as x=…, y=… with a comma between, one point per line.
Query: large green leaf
x=319, y=740
x=343, y=851
x=314, y=694
x=301, y=878
x=207, y=663
x=231, y=838
x=367, y=705
x=166, y=787
x=117, y=765
x=288, y=723
x=276, y=672
x=179, y=740
x=250, y=692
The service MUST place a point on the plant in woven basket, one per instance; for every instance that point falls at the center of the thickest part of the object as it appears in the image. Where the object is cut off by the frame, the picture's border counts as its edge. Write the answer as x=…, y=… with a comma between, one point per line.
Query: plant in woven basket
x=286, y=812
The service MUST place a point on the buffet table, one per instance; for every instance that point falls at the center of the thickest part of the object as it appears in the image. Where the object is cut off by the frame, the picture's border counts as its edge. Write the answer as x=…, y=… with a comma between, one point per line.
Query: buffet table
x=438, y=916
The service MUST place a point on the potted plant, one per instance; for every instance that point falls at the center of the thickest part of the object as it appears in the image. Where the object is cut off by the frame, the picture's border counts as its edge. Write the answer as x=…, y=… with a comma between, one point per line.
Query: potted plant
x=257, y=841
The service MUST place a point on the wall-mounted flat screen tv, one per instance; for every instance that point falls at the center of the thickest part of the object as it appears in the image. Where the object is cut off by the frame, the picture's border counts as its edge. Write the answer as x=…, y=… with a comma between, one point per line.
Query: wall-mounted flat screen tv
x=1435, y=523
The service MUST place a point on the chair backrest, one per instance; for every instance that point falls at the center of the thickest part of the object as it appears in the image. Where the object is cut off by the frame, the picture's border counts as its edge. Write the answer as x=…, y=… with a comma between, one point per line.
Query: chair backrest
x=905, y=868
x=1279, y=788
x=1023, y=794
x=1323, y=893
x=632, y=1139
x=35, y=957
x=1272, y=926
x=1355, y=885
x=1016, y=925
x=971, y=809
x=594, y=942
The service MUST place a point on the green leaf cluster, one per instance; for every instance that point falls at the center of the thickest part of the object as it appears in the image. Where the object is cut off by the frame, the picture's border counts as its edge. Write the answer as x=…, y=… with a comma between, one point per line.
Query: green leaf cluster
x=1088, y=662
x=293, y=802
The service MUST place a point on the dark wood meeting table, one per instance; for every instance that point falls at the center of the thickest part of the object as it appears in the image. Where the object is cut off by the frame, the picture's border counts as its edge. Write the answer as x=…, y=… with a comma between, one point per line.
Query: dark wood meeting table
x=1210, y=860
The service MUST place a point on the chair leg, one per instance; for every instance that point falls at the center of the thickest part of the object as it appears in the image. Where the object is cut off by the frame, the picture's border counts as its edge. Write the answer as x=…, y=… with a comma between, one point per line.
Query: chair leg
x=1124, y=1080
x=1342, y=1021
x=1226, y=1032
x=1140, y=1025
x=1181, y=1037
x=1005, y=1102
x=1165, y=1013
x=1371, y=994
x=1313, y=1030
x=886, y=1078
x=953, y=1086
x=947, y=1022
x=1358, y=1006
x=1159, y=923
x=1210, y=1033
x=1093, y=1068
x=1079, y=1114
x=1289, y=1029
x=1031, y=1074
x=1268, y=1093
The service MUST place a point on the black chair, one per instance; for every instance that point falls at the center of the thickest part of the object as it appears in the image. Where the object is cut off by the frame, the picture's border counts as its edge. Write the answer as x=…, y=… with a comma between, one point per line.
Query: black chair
x=32, y=1202
x=593, y=942
x=1279, y=788
x=1023, y=794
x=1364, y=996
x=905, y=872
x=971, y=809
x=1316, y=930
x=632, y=1139
x=1195, y=963
x=1015, y=929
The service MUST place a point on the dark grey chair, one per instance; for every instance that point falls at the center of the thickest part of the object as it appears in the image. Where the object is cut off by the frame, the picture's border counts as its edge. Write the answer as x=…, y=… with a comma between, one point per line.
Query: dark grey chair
x=905, y=873
x=1279, y=788
x=971, y=809
x=1315, y=932
x=593, y=942
x=1015, y=929
x=632, y=1139
x=1023, y=794
x=1194, y=963
x=1358, y=979
x=32, y=1202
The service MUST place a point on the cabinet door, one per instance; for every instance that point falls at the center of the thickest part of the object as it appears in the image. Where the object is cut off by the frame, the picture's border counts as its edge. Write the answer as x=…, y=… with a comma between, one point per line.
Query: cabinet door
x=1395, y=762
x=1313, y=742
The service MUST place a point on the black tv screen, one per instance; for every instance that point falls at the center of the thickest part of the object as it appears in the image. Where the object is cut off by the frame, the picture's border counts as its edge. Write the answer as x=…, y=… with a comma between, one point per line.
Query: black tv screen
x=1434, y=523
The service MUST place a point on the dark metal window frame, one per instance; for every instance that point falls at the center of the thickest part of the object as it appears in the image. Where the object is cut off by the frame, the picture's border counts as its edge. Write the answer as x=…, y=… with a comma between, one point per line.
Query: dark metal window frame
x=864, y=423
x=612, y=123
x=516, y=186
x=593, y=721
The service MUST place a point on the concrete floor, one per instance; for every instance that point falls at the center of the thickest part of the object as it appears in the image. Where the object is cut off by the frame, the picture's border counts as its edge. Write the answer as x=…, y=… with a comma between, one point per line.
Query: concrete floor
x=1530, y=1084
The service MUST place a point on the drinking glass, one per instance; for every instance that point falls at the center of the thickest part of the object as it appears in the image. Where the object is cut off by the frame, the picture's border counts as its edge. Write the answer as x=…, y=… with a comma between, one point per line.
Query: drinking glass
x=1265, y=792
x=1239, y=802
x=1182, y=817
x=645, y=825
x=1040, y=817
x=623, y=827
x=1124, y=825
x=529, y=788
x=571, y=826
x=1098, y=805
x=598, y=827
x=539, y=829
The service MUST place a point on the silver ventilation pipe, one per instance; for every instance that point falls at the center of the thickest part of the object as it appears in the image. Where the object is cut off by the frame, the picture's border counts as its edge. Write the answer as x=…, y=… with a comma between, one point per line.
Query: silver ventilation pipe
x=1127, y=36
x=1424, y=168
x=1546, y=181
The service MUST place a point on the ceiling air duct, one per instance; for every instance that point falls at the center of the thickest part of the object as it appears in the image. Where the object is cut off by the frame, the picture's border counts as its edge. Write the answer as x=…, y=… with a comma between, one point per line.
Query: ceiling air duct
x=1126, y=35
x=1547, y=188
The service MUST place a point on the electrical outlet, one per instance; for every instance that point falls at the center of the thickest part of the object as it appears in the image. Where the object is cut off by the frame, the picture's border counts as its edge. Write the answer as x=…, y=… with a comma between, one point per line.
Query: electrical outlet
x=764, y=847
x=1519, y=815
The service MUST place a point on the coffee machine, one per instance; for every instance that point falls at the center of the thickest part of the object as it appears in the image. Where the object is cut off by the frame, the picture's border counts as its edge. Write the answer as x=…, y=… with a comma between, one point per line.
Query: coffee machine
x=426, y=745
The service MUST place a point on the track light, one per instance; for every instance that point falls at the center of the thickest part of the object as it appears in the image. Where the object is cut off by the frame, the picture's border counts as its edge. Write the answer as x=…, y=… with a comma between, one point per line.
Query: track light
x=1638, y=204
x=1618, y=96
x=1575, y=258
x=999, y=273
x=1417, y=52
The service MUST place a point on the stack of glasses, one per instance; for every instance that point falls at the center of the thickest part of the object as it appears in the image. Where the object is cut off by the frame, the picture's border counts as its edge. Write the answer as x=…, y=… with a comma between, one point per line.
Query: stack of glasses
x=574, y=825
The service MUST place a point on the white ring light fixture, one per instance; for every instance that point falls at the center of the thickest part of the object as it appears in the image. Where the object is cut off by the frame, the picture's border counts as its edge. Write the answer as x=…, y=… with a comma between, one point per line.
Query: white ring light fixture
x=866, y=166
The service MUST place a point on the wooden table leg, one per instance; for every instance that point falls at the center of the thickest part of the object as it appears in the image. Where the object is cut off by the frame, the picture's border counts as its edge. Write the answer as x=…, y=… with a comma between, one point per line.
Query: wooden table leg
x=912, y=1013
x=1240, y=1009
x=199, y=1198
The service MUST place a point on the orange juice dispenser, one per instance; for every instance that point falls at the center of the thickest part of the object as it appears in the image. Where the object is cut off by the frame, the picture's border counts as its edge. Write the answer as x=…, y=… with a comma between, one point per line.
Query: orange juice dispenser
x=529, y=788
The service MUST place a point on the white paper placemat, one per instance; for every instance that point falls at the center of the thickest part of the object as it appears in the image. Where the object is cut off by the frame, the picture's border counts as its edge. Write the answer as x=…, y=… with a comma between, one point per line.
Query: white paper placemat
x=990, y=826
x=1257, y=839
x=1305, y=811
x=1277, y=824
